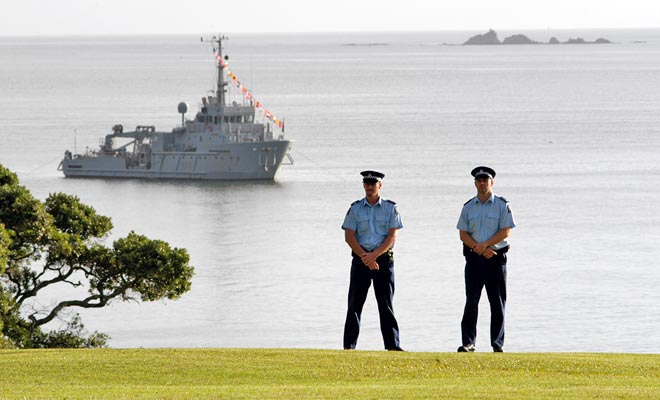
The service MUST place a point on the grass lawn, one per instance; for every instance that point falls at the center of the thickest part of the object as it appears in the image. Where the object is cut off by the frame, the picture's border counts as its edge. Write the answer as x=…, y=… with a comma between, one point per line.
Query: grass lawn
x=292, y=374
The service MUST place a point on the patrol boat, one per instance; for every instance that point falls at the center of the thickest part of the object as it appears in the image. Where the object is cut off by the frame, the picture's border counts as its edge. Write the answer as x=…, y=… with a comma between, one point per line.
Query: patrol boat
x=223, y=142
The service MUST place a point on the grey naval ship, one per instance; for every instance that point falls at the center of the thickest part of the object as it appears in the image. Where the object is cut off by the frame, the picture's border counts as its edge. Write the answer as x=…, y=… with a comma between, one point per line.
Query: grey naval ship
x=223, y=142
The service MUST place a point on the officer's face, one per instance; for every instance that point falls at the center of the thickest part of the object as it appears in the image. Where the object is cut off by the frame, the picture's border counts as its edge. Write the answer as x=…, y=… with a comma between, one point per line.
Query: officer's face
x=483, y=185
x=371, y=188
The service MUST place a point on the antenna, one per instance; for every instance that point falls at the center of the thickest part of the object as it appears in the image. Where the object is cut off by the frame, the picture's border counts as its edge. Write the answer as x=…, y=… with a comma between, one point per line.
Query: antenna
x=220, y=91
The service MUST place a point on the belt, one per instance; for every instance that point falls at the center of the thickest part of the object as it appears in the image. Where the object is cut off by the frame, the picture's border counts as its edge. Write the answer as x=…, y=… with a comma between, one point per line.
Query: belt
x=389, y=252
x=503, y=250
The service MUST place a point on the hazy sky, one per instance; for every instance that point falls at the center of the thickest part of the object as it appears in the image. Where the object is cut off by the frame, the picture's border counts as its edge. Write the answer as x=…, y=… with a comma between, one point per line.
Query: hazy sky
x=66, y=17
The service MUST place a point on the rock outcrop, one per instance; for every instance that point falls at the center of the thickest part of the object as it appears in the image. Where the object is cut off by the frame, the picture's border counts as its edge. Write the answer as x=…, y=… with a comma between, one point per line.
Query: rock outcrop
x=518, y=39
x=490, y=38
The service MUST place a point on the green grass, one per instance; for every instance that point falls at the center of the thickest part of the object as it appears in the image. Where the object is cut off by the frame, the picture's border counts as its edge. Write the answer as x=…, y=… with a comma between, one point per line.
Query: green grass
x=291, y=374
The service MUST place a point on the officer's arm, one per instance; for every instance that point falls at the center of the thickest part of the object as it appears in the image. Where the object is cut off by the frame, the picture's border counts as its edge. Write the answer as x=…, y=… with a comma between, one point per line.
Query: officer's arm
x=487, y=251
x=498, y=236
x=467, y=239
x=349, y=237
x=495, y=239
x=387, y=244
x=484, y=248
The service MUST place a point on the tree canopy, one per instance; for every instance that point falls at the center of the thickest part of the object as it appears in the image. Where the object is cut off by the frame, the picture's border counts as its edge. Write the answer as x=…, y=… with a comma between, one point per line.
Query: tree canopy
x=58, y=243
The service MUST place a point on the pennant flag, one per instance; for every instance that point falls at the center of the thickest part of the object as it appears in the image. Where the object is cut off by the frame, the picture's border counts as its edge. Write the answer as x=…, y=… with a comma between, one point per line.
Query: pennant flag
x=247, y=94
x=220, y=60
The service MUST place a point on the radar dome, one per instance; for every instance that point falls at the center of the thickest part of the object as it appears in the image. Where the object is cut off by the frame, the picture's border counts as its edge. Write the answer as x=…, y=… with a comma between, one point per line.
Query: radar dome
x=182, y=107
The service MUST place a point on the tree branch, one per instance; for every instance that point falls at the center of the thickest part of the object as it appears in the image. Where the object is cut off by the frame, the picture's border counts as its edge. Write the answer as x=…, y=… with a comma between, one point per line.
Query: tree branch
x=94, y=301
x=26, y=293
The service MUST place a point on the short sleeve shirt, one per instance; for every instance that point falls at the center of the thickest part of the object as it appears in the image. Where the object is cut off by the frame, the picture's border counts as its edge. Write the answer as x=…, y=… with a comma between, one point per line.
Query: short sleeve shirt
x=372, y=223
x=483, y=220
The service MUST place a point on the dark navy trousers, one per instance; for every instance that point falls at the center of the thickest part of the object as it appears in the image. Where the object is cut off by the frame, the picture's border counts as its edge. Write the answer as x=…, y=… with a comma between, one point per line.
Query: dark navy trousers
x=491, y=273
x=383, y=279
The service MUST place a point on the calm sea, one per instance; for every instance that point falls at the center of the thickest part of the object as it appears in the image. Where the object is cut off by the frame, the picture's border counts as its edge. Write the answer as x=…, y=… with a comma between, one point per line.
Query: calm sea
x=572, y=130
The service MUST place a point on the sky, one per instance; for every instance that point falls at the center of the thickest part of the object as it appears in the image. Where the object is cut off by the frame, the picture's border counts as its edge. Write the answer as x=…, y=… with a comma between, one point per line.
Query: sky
x=102, y=17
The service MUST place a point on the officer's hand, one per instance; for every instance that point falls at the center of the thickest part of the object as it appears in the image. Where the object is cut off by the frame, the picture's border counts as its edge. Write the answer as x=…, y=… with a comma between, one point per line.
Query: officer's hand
x=367, y=258
x=373, y=266
x=481, y=248
x=489, y=253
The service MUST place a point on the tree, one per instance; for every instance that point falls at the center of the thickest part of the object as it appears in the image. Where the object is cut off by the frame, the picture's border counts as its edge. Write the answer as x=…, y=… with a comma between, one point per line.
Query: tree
x=59, y=243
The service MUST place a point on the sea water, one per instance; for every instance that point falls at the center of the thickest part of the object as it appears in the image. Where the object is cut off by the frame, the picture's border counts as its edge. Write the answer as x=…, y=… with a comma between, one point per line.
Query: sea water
x=573, y=132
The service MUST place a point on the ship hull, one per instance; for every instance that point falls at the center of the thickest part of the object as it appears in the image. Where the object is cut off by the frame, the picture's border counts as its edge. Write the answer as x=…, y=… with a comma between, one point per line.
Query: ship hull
x=233, y=162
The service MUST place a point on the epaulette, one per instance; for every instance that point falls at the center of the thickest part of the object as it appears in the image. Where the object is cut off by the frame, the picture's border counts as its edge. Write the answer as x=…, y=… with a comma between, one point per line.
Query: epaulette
x=351, y=206
x=390, y=201
x=502, y=198
x=468, y=201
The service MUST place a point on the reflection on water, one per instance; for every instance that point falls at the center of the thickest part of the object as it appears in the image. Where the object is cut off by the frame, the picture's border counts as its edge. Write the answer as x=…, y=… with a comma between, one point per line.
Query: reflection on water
x=571, y=130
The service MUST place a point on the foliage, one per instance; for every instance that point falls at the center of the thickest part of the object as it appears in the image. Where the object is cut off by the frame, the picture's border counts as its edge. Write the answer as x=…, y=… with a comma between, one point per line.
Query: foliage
x=324, y=374
x=72, y=336
x=58, y=243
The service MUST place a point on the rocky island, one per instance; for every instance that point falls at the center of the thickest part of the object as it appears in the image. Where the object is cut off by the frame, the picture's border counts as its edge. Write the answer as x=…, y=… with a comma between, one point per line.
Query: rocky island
x=490, y=37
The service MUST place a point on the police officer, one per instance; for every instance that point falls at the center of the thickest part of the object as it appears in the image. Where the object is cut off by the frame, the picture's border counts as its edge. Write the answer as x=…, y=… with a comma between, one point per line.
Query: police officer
x=370, y=229
x=484, y=225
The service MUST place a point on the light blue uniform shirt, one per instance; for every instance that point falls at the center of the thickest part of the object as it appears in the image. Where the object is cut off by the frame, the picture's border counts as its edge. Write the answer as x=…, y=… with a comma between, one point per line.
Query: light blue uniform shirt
x=372, y=223
x=483, y=220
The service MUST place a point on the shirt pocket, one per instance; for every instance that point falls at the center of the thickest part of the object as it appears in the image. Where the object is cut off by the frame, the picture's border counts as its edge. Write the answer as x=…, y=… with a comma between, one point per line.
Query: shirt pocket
x=474, y=221
x=363, y=226
x=492, y=222
x=382, y=224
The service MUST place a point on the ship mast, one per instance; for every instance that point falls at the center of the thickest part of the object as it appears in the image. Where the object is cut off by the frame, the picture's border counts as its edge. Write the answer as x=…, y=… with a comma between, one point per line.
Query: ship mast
x=220, y=90
x=221, y=76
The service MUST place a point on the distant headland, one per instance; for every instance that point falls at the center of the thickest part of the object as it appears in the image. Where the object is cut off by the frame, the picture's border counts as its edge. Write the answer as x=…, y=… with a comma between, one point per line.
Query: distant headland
x=490, y=37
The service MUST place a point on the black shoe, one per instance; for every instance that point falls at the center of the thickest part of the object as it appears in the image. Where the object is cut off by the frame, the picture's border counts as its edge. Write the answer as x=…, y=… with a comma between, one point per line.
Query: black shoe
x=466, y=348
x=498, y=350
x=396, y=349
